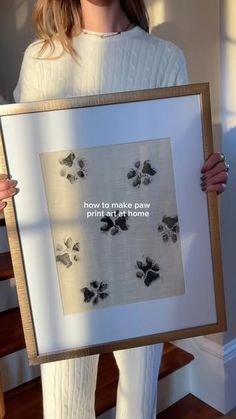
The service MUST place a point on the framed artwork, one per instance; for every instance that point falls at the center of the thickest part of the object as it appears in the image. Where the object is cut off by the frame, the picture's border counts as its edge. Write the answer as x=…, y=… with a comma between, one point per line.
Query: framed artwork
x=114, y=245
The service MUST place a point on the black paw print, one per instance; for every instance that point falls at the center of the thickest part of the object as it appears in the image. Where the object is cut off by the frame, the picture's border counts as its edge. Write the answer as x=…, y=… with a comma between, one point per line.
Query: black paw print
x=141, y=173
x=67, y=253
x=149, y=271
x=114, y=226
x=95, y=292
x=74, y=168
x=169, y=228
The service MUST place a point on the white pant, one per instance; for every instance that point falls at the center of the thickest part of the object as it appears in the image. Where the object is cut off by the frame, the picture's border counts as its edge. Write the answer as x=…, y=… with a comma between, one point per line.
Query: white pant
x=69, y=386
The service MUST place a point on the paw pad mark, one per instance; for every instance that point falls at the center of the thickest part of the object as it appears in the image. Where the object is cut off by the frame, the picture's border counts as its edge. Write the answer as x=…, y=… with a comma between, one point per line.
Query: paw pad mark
x=148, y=270
x=169, y=229
x=141, y=173
x=74, y=167
x=95, y=292
x=67, y=253
x=114, y=226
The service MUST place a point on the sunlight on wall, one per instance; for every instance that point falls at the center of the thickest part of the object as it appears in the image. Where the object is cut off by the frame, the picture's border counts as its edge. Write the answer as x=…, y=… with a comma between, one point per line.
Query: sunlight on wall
x=229, y=63
x=21, y=14
x=156, y=11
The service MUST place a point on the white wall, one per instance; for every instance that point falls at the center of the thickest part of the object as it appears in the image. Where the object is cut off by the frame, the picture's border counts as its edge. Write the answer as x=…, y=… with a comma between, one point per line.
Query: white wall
x=15, y=34
x=194, y=26
x=228, y=210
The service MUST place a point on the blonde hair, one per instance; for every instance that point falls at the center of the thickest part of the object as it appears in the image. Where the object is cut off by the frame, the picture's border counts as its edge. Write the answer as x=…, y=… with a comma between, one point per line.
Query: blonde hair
x=61, y=19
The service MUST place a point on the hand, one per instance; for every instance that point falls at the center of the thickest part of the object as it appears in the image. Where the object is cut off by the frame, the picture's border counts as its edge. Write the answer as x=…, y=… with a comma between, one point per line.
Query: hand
x=215, y=174
x=7, y=190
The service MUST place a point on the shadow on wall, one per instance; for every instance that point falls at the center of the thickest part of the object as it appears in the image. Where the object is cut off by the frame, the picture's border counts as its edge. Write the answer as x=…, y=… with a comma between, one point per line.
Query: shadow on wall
x=169, y=21
x=16, y=33
x=179, y=22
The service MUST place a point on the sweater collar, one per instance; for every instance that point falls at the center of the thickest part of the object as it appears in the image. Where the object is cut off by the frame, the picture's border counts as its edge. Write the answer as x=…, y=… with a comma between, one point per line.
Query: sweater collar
x=108, y=36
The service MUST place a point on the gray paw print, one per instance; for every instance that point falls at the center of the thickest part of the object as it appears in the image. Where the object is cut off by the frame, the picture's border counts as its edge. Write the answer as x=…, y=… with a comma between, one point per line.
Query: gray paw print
x=68, y=252
x=169, y=229
x=95, y=292
x=142, y=173
x=149, y=271
x=114, y=226
x=74, y=168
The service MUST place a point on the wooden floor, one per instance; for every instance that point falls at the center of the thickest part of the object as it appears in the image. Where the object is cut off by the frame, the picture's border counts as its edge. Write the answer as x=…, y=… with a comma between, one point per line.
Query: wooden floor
x=190, y=408
x=19, y=405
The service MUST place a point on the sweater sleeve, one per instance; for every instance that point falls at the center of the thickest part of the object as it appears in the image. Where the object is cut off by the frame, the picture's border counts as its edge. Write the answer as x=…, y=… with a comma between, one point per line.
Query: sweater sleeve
x=175, y=73
x=181, y=70
x=27, y=88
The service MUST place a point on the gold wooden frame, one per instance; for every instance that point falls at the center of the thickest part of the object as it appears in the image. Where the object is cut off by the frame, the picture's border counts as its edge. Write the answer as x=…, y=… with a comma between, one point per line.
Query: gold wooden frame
x=14, y=239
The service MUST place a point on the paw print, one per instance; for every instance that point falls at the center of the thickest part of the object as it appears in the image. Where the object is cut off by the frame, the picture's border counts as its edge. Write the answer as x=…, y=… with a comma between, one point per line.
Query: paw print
x=95, y=292
x=149, y=271
x=142, y=174
x=114, y=226
x=169, y=228
x=67, y=254
x=74, y=168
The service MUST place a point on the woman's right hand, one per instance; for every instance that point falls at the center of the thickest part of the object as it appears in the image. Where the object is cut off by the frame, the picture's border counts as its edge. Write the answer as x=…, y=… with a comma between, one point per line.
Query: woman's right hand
x=7, y=190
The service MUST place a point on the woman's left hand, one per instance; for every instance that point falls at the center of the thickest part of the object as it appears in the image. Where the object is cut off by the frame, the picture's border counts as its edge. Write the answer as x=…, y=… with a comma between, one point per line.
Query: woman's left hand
x=214, y=174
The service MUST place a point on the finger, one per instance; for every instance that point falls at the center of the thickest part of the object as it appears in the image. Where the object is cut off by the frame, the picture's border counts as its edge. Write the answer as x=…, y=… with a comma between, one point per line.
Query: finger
x=218, y=168
x=2, y=205
x=8, y=193
x=218, y=188
x=6, y=184
x=3, y=176
x=221, y=177
x=212, y=161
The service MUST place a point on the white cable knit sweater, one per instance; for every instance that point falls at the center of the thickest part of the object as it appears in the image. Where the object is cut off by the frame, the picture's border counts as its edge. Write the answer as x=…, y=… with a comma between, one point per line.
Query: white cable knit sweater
x=133, y=60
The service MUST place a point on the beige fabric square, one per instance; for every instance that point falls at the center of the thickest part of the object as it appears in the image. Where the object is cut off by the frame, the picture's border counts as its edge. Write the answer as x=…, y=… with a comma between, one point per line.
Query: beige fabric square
x=131, y=256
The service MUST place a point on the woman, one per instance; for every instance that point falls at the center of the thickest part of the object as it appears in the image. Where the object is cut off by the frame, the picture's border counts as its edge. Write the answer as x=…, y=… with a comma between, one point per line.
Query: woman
x=91, y=47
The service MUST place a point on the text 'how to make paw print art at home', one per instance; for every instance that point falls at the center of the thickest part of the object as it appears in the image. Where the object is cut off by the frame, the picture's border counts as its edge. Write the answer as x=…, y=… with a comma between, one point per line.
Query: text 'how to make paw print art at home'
x=102, y=209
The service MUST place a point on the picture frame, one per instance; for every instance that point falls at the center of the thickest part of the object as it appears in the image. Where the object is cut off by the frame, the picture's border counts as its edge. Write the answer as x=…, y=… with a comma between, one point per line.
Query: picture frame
x=143, y=279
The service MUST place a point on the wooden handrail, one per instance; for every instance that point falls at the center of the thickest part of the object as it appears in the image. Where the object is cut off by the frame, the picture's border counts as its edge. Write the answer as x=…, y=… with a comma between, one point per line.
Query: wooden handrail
x=11, y=332
x=6, y=269
x=2, y=222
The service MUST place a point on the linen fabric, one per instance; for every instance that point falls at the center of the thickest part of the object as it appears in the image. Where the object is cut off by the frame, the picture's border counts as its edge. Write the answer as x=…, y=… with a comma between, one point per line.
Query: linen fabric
x=115, y=252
